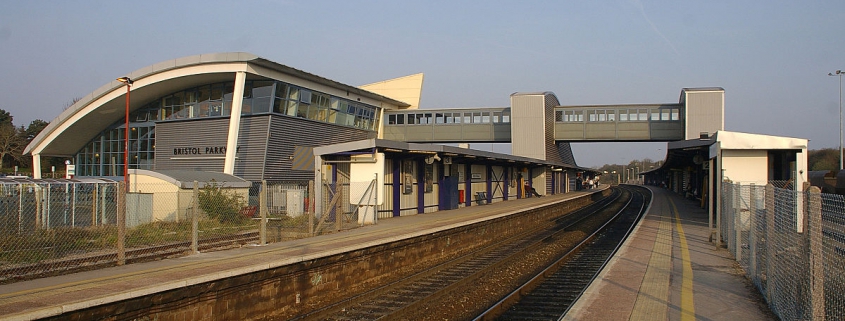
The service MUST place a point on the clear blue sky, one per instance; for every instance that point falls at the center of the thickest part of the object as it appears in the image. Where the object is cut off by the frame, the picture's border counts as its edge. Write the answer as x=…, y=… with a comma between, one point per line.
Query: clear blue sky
x=772, y=57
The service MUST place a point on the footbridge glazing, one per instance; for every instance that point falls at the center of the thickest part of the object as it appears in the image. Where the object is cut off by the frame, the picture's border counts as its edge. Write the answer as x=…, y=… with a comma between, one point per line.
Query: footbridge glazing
x=630, y=123
x=466, y=125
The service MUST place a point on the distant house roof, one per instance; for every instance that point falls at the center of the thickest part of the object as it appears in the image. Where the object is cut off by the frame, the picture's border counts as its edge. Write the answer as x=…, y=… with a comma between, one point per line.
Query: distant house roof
x=186, y=178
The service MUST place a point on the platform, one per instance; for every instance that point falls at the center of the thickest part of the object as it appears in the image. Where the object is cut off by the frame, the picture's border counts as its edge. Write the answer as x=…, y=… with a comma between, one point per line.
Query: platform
x=53, y=296
x=669, y=270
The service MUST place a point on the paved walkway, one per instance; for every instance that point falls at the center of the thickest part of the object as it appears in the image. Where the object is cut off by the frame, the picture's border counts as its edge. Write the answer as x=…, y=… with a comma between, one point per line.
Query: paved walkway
x=668, y=270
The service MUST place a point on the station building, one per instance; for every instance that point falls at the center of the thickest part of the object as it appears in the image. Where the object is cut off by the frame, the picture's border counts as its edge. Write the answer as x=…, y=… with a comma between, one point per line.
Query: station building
x=183, y=115
x=259, y=120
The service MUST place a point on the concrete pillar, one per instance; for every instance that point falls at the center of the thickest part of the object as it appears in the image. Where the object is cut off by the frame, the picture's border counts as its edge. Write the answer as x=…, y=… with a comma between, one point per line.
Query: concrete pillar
x=710, y=190
x=816, y=255
x=752, y=231
x=770, y=242
x=36, y=166
x=717, y=171
x=318, y=182
x=234, y=123
x=395, y=190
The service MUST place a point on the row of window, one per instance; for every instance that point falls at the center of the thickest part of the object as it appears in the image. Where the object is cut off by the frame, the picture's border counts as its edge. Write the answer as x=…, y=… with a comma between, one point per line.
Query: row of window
x=475, y=117
x=260, y=97
x=299, y=102
x=103, y=155
x=613, y=115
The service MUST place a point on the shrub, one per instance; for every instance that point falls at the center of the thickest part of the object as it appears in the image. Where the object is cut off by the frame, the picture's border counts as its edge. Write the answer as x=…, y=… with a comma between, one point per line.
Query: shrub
x=220, y=203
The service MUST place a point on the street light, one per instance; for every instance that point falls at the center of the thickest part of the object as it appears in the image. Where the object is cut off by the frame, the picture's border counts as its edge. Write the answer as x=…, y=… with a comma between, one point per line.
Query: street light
x=839, y=73
x=128, y=82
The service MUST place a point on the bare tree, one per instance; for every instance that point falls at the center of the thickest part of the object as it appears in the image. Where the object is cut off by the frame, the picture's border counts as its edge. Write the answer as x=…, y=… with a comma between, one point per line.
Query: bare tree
x=11, y=142
x=73, y=101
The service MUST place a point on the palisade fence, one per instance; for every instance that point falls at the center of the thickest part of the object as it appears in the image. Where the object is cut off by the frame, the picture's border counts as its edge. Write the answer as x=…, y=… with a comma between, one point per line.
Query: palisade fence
x=791, y=245
x=49, y=228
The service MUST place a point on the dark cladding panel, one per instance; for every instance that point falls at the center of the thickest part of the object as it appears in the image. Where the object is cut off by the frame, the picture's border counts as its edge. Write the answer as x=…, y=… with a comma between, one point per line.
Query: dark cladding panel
x=288, y=132
x=252, y=145
x=201, y=145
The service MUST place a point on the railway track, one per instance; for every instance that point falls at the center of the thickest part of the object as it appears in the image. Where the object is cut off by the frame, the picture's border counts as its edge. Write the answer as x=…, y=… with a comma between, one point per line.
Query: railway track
x=143, y=254
x=414, y=297
x=550, y=294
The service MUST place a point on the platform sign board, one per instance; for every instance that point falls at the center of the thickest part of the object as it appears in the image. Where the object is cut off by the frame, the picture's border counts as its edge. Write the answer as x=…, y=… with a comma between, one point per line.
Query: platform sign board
x=71, y=171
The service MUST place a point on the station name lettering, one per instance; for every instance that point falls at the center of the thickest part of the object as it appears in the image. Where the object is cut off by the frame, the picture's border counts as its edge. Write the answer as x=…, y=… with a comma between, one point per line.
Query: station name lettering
x=216, y=150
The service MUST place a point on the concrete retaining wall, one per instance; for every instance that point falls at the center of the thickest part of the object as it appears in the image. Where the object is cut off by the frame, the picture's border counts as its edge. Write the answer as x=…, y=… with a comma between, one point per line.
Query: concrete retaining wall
x=290, y=290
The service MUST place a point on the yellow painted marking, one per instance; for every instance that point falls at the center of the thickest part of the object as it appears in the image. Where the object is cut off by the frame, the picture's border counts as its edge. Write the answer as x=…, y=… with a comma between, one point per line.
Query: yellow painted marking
x=653, y=297
x=687, y=300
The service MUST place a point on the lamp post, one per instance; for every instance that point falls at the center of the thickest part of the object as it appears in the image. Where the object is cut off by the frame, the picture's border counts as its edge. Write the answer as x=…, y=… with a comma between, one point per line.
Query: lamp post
x=839, y=73
x=128, y=82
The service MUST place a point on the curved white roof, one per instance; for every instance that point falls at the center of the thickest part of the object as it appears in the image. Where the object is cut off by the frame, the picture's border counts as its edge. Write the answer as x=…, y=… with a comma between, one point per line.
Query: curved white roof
x=89, y=116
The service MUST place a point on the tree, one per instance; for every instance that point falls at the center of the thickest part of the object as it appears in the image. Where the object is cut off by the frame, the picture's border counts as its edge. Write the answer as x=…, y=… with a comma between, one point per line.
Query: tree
x=72, y=101
x=5, y=117
x=824, y=159
x=35, y=127
x=11, y=142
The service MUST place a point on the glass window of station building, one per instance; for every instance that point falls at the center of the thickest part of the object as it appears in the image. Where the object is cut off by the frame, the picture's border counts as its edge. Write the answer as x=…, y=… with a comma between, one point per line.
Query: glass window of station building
x=103, y=155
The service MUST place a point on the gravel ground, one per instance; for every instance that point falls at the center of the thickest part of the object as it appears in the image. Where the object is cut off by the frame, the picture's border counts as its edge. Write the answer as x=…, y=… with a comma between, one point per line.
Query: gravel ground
x=468, y=304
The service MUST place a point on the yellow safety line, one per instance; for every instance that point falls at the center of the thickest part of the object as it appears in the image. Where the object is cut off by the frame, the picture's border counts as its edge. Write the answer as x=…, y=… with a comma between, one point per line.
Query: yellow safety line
x=653, y=296
x=687, y=300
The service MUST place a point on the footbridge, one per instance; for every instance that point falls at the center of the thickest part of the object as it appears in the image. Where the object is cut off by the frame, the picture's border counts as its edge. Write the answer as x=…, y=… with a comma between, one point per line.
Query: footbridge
x=631, y=123
x=699, y=110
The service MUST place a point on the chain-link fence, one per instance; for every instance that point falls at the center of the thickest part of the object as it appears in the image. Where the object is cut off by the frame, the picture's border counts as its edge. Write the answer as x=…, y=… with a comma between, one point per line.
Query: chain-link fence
x=49, y=228
x=791, y=245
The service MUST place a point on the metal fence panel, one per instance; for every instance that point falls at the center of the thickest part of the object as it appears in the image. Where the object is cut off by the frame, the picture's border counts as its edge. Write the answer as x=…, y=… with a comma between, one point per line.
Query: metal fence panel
x=791, y=245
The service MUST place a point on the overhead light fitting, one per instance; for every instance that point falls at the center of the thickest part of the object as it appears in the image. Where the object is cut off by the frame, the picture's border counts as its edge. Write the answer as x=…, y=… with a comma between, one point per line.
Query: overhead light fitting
x=126, y=80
